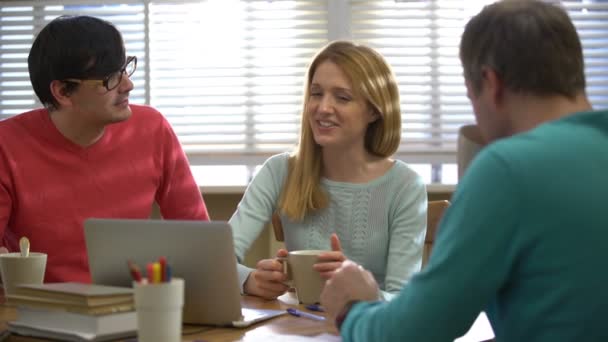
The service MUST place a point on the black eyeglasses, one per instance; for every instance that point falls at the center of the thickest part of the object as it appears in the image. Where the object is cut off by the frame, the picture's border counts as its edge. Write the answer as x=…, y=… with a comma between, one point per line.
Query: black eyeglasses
x=113, y=80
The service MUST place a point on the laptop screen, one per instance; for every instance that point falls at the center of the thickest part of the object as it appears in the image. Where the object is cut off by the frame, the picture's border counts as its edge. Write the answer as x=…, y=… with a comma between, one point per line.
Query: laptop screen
x=200, y=252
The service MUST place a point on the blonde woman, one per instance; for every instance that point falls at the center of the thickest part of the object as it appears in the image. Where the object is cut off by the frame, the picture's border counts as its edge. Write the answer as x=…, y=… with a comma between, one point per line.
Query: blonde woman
x=340, y=190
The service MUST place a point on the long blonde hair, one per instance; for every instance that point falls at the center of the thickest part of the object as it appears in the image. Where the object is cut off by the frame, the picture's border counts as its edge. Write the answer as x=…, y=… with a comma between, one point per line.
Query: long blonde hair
x=371, y=77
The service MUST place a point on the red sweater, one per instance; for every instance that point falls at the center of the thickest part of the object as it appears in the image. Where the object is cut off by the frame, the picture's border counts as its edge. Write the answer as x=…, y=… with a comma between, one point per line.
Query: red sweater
x=49, y=185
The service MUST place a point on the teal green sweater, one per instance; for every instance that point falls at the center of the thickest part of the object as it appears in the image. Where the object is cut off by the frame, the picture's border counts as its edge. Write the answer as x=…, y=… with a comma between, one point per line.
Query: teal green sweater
x=381, y=224
x=526, y=239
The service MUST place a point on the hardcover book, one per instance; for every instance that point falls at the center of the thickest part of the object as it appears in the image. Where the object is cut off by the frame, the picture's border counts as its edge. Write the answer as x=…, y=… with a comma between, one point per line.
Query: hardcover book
x=74, y=311
x=74, y=293
x=68, y=326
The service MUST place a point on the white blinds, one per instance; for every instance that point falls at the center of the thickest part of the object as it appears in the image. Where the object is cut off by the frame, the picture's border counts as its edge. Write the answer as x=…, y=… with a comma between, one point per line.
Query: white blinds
x=420, y=40
x=20, y=21
x=228, y=74
x=591, y=20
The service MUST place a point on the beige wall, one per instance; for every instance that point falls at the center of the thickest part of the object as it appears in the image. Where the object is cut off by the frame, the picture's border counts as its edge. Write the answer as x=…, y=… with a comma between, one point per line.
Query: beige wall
x=221, y=207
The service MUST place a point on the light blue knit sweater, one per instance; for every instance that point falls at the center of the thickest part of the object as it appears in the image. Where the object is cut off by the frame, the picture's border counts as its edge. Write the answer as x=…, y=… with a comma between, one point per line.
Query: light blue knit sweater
x=381, y=224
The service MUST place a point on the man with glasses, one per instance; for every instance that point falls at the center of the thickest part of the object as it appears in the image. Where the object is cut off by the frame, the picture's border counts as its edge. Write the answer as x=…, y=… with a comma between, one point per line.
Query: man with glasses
x=88, y=153
x=112, y=80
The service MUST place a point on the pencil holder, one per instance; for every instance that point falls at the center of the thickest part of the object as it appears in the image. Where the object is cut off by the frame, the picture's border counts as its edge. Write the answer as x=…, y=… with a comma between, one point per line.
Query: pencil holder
x=159, y=311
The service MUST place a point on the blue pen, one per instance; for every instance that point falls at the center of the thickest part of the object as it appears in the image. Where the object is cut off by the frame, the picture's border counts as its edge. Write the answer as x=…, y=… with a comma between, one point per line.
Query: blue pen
x=298, y=313
x=315, y=307
x=168, y=273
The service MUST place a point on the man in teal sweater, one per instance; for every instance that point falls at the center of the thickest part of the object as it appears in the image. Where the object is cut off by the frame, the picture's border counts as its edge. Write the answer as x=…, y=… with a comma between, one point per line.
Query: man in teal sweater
x=526, y=237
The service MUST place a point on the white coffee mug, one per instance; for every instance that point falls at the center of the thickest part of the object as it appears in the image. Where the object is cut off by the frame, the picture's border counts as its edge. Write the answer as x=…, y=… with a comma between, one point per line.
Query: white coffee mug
x=305, y=279
x=17, y=269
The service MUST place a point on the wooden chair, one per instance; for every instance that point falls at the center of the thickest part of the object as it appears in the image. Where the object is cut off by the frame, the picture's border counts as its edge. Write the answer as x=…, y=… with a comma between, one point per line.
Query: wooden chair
x=434, y=213
x=277, y=226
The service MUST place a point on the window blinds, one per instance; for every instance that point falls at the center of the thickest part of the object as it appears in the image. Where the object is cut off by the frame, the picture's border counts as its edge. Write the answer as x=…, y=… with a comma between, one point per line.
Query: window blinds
x=591, y=20
x=229, y=74
x=420, y=40
x=20, y=21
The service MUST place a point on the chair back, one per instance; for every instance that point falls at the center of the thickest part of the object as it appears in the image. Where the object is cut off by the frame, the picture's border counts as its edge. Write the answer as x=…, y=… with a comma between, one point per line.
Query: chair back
x=434, y=213
x=277, y=226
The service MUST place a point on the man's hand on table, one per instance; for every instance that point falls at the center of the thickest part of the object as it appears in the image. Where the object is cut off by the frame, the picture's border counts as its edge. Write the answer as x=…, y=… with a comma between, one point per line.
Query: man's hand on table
x=350, y=282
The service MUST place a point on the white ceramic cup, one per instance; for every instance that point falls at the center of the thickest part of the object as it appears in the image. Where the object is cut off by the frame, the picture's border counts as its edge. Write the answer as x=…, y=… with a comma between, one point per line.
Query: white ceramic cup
x=16, y=269
x=303, y=277
x=159, y=311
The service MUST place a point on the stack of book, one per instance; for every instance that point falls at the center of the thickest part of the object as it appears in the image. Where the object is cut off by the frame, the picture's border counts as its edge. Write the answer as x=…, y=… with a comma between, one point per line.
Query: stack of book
x=74, y=311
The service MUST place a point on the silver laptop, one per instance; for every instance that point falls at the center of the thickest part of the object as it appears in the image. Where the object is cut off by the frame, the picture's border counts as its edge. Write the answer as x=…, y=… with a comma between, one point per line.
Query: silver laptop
x=200, y=252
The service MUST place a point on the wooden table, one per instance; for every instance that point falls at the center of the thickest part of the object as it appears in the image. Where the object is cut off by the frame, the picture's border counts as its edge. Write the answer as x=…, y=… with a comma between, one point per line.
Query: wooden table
x=283, y=328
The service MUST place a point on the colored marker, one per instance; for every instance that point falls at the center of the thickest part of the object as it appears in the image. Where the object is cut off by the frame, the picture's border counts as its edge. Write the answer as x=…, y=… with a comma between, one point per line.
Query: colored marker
x=135, y=271
x=156, y=272
x=298, y=313
x=150, y=272
x=163, y=268
x=168, y=273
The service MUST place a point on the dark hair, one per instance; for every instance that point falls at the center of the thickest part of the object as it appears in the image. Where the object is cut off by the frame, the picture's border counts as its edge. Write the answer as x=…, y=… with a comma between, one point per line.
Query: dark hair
x=533, y=47
x=73, y=47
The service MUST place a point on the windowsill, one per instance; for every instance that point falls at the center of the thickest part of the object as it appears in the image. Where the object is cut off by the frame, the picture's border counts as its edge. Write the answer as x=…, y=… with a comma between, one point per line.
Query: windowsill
x=440, y=188
x=230, y=180
x=240, y=189
x=222, y=189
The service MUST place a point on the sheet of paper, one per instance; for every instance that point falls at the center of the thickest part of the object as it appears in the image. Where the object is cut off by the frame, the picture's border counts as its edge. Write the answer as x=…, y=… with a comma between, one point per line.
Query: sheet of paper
x=298, y=338
x=481, y=330
x=267, y=335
